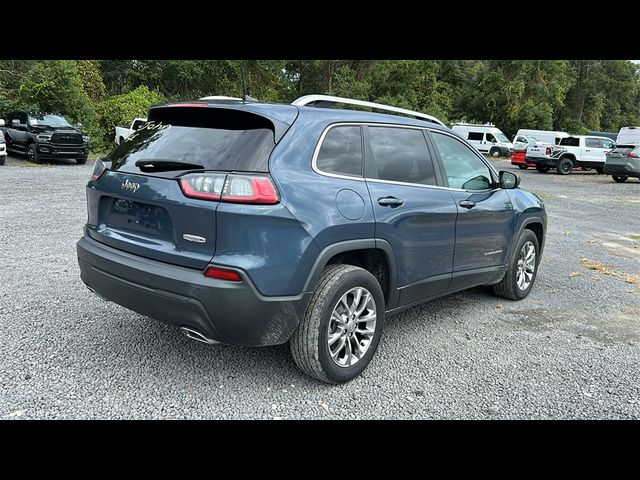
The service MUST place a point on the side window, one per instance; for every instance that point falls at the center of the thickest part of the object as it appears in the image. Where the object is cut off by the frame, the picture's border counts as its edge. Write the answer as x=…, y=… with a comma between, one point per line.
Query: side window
x=401, y=155
x=137, y=124
x=521, y=139
x=463, y=167
x=341, y=151
x=490, y=137
x=592, y=143
x=23, y=118
x=608, y=144
x=475, y=136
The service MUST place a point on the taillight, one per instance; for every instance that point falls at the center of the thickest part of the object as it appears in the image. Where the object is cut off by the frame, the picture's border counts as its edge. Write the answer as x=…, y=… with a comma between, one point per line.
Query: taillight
x=632, y=155
x=548, y=151
x=99, y=168
x=232, y=188
x=222, y=274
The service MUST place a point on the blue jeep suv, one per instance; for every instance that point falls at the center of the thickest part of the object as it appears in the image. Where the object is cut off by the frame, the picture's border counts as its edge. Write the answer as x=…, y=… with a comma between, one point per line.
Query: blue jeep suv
x=257, y=224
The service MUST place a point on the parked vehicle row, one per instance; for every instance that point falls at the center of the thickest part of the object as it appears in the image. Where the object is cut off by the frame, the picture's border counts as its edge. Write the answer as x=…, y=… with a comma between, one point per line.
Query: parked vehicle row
x=572, y=151
x=485, y=138
x=44, y=136
x=309, y=225
x=3, y=147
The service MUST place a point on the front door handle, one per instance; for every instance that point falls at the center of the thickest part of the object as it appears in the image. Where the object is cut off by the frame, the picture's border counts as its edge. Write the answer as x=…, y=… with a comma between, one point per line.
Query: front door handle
x=467, y=204
x=587, y=150
x=392, y=202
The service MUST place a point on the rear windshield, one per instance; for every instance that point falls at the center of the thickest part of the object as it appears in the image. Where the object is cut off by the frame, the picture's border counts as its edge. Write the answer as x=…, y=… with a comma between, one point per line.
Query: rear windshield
x=239, y=142
x=570, y=142
x=626, y=149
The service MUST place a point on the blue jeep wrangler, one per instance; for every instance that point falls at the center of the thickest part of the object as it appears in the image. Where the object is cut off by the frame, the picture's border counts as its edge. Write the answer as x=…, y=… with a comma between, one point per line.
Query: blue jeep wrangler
x=257, y=224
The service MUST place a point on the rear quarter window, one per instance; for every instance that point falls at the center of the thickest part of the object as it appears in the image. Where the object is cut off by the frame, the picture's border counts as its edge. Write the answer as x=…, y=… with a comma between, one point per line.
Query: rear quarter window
x=341, y=151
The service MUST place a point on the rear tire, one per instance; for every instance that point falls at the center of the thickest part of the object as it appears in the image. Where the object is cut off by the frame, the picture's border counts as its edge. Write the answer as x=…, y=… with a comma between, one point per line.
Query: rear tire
x=619, y=178
x=2, y=159
x=32, y=153
x=326, y=316
x=495, y=152
x=565, y=166
x=511, y=285
x=522, y=167
x=542, y=169
x=600, y=170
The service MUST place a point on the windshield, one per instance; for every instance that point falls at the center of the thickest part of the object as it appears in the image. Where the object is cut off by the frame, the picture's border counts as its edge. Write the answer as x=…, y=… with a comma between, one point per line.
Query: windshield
x=501, y=136
x=48, y=120
x=531, y=139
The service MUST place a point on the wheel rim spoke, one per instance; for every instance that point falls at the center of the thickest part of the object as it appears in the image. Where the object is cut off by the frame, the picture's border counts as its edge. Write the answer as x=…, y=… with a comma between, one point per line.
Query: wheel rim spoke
x=526, y=266
x=352, y=327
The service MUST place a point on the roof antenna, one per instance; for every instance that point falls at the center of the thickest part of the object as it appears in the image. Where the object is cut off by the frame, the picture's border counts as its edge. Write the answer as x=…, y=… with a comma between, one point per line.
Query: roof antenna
x=245, y=95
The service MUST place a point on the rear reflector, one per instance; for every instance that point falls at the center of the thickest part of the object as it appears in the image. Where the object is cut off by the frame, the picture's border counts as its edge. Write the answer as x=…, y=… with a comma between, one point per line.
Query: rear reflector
x=222, y=274
x=232, y=188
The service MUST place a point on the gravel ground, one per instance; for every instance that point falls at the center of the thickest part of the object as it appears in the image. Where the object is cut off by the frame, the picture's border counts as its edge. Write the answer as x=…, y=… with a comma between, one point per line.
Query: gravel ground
x=570, y=350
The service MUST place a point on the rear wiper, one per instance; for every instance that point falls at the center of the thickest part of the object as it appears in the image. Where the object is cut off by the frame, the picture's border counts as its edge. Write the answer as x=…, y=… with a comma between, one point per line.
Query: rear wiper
x=166, y=165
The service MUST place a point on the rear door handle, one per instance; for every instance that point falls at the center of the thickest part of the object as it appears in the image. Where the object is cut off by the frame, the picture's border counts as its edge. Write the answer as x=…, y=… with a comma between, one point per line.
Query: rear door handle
x=467, y=204
x=392, y=202
x=587, y=150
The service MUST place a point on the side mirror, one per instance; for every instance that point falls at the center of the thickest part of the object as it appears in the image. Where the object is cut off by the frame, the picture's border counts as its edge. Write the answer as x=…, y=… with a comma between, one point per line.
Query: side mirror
x=494, y=141
x=15, y=122
x=509, y=180
x=79, y=126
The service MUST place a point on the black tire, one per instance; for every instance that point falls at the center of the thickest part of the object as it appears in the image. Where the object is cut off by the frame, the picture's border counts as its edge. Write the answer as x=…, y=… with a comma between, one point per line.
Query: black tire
x=508, y=287
x=542, y=169
x=2, y=159
x=32, y=153
x=309, y=343
x=495, y=152
x=565, y=166
x=619, y=178
x=121, y=140
x=81, y=160
x=522, y=167
x=600, y=170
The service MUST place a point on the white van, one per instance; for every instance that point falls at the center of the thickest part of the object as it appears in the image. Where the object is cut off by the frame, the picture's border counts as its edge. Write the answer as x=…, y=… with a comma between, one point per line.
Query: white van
x=628, y=136
x=523, y=137
x=486, y=138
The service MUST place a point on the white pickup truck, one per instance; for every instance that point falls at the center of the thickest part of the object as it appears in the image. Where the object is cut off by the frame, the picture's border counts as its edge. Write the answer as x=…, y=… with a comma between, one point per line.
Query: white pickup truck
x=124, y=132
x=573, y=151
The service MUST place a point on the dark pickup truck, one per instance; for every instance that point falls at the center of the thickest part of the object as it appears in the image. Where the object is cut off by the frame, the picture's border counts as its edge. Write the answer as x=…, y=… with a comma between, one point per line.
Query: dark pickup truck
x=45, y=136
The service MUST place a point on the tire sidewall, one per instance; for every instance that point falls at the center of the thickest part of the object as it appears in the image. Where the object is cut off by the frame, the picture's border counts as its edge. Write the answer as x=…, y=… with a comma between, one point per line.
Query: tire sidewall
x=494, y=153
x=526, y=236
x=564, y=161
x=34, y=155
x=353, y=279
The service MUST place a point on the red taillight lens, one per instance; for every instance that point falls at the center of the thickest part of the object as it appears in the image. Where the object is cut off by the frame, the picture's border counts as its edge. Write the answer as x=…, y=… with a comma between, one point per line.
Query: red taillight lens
x=207, y=186
x=98, y=169
x=632, y=155
x=548, y=151
x=232, y=188
x=222, y=274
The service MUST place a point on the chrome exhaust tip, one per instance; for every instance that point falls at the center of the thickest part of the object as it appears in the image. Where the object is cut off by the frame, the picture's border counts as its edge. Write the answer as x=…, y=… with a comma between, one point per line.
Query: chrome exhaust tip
x=196, y=335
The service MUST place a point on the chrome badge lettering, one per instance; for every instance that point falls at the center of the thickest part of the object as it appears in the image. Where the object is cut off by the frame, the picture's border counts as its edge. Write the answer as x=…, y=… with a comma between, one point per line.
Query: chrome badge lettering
x=130, y=186
x=495, y=252
x=194, y=238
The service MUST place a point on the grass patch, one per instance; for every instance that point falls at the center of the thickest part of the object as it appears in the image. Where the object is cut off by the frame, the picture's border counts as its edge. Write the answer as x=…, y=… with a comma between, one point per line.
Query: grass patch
x=635, y=237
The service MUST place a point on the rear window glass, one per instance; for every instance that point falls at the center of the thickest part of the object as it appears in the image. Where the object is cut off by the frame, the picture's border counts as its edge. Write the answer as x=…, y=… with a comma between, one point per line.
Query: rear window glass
x=475, y=136
x=625, y=149
x=570, y=142
x=341, y=151
x=592, y=142
x=223, y=140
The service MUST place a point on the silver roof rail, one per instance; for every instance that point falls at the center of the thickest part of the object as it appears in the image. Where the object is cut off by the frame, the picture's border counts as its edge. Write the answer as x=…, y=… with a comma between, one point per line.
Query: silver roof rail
x=221, y=98
x=309, y=100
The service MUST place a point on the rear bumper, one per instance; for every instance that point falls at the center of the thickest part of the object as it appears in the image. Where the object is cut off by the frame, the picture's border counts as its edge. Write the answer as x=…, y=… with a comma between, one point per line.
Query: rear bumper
x=228, y=312
x=519, y=158
x=542, y=161
x=628, y=169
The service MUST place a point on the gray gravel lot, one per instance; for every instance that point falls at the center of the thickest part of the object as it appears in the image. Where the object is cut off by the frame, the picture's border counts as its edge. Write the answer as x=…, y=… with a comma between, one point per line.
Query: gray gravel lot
x=570, y=350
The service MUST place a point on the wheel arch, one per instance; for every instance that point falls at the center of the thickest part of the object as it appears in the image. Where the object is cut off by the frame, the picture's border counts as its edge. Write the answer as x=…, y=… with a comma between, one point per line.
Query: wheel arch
x=363, y=253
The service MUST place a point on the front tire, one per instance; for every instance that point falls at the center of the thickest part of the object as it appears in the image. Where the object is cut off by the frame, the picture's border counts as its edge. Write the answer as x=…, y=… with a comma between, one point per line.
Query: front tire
x=599, y=170
x=542, y=169
x=495, y=153
x=619, y=178
x=342, y=326
x=32, y=153
x=522, y=167
x=523, y=268
x=2, y=159
x=565, y=166
x=81, y=161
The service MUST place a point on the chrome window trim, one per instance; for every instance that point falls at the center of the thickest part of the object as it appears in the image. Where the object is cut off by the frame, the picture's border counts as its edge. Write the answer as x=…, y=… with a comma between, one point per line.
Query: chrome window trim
x=362, y=178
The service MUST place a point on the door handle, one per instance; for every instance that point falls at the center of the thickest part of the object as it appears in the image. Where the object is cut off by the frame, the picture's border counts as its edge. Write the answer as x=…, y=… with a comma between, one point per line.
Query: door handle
x=467, y=204
x=587, y=150
x=392, y=202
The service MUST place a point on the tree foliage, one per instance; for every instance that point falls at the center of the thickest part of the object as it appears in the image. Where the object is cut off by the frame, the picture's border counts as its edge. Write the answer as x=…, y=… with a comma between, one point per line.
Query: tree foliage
x=571, y=95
